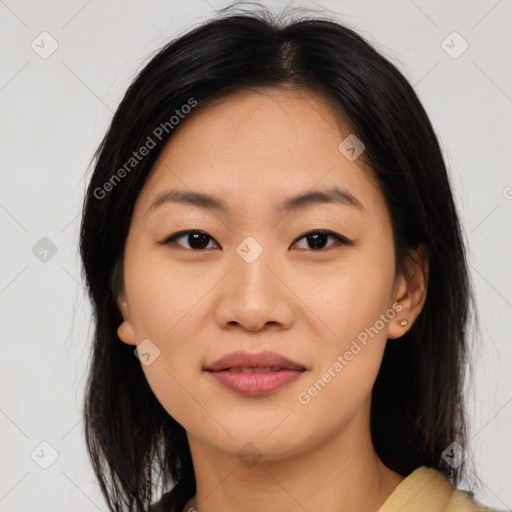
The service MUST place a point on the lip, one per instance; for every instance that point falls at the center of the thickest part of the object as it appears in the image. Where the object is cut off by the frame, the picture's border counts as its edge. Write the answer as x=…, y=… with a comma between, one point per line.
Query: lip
x=243, y=359
x=255, y=383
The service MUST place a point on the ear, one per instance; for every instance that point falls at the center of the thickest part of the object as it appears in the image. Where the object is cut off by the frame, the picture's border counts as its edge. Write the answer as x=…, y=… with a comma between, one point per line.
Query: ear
x=410, y=292
x=125, y=331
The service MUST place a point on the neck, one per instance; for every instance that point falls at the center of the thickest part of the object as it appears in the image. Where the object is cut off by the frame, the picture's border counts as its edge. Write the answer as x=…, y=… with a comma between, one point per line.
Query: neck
x=342, y=473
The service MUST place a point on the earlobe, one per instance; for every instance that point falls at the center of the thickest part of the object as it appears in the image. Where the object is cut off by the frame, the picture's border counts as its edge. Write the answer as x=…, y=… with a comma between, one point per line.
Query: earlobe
x=398, y=327
x=126, y=333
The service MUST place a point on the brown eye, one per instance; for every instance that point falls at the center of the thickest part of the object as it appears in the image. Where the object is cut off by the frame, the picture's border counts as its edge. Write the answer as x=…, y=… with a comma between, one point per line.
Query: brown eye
x=197, y=240
x=316, y=240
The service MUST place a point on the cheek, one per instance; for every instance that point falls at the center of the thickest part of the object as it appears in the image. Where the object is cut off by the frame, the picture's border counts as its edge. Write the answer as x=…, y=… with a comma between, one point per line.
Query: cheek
x=352, y=300
x=350, y=353
x=351, y=296
x=164, y=296
x=165, y=309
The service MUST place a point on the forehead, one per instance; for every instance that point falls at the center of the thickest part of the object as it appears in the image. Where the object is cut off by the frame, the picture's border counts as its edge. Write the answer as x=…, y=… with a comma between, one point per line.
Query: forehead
x=258, y=145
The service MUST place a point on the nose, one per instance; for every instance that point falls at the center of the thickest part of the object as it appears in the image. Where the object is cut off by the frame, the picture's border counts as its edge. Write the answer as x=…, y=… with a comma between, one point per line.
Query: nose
x=254, y=296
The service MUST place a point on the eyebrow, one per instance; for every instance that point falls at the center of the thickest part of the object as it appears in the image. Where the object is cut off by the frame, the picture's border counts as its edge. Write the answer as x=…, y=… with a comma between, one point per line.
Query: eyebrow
x=333, y=194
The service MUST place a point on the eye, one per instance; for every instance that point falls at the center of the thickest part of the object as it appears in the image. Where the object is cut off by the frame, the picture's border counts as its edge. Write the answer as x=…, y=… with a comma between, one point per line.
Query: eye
x=199, y=240
x=317, y=239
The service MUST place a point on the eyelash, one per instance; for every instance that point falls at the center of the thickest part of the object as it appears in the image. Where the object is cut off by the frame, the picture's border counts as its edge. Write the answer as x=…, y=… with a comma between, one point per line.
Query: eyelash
x=340, y=239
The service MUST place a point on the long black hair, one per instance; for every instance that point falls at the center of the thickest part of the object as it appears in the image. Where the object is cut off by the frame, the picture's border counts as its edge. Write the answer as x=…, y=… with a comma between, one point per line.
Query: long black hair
x=417, y=406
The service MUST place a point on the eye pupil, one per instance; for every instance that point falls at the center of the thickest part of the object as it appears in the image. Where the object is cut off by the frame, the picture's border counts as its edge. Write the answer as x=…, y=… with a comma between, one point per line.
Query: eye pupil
x=198, y=240
x=319, y=240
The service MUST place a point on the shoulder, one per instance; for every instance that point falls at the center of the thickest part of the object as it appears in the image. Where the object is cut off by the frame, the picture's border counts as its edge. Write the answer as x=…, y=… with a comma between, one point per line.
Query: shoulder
x=428, y=490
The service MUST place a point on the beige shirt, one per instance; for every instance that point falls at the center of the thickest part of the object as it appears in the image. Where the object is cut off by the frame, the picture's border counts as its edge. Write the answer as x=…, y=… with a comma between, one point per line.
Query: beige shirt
x=424, y=490
x=428, y=490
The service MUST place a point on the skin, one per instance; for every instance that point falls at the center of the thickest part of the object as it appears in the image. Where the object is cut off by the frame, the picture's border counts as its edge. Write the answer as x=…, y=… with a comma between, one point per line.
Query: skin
x=254, y=149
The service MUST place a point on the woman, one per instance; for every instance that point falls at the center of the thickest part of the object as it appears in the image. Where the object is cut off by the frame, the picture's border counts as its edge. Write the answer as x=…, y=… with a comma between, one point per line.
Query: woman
x=279, y=282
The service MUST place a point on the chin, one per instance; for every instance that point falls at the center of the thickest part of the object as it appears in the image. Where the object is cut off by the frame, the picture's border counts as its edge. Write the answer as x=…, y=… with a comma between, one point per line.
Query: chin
x=252, y=442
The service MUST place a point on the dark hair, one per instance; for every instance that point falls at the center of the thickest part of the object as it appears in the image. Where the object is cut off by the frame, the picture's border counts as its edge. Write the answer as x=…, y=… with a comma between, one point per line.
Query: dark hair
x=417, y=406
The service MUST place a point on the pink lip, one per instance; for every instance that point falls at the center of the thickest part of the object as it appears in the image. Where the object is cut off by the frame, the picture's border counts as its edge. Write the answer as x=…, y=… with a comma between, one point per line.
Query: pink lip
x=243, y=359
x=255, y=383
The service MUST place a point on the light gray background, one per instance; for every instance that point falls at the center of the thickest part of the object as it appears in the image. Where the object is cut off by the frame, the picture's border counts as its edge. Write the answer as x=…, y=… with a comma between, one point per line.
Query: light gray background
x=54, y=113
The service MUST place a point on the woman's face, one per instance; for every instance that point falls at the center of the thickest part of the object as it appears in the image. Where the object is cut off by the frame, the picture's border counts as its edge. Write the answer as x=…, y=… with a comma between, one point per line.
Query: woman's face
x=251, y=281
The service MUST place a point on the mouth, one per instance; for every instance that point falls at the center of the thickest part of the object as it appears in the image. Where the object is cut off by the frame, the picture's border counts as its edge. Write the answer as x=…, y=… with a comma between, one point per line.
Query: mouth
x=255, y=381
x=255, y=374
x=247, y=362
x=257, y=369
